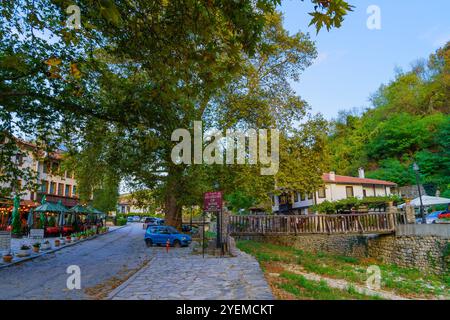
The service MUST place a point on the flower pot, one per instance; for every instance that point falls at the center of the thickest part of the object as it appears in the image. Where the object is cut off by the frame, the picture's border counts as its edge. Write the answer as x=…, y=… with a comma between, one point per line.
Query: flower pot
x=46, y=246
x=36, y=249
x=74, y=239
x=68, y=240
x=57, y=243
x=7, y=258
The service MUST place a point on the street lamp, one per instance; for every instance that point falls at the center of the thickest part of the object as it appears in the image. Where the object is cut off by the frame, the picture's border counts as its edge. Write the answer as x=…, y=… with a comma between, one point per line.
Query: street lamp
x=422, y=212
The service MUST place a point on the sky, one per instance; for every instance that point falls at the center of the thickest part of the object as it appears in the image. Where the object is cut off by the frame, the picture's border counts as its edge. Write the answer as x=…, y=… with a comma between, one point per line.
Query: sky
x=353, y=61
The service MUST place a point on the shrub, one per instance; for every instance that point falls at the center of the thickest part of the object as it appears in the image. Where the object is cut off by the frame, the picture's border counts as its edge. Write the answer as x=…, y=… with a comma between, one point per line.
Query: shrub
x=121, y=221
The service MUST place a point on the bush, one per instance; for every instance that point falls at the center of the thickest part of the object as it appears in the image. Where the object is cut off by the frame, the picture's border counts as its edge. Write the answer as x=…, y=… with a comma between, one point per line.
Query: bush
x=346, y=205
x=121, y=221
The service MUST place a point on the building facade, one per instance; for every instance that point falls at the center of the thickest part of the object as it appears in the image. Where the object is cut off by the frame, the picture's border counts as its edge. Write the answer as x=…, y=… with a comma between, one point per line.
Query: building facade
x=335, y=187
x=53, y=182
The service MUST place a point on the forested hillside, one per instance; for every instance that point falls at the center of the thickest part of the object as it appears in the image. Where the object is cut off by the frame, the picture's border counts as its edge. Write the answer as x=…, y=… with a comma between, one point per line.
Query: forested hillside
x=409, y=121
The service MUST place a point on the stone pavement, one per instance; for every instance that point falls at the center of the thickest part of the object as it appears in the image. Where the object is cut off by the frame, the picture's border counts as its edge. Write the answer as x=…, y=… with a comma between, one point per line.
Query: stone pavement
x=181, y=275
x=16, y=243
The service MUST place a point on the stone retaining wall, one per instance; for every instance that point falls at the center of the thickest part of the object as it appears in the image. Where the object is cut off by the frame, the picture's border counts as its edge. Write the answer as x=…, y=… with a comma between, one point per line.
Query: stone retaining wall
x=428, y=253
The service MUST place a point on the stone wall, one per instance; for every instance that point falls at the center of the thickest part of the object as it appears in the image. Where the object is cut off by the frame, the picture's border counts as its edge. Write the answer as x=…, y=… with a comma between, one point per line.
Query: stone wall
x=355, y=246
x=427, y=253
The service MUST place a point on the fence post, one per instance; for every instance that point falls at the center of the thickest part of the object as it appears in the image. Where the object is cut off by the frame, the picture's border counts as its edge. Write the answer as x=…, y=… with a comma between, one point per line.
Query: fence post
x=392, y=215
x=410, y=214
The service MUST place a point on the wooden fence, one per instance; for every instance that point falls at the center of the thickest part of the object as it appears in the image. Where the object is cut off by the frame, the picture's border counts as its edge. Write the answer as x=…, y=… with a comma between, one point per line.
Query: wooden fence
x=313, y=224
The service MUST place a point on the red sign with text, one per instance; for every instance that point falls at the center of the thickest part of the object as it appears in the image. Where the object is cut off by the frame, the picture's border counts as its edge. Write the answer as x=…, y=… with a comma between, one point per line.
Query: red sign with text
x=212, y=201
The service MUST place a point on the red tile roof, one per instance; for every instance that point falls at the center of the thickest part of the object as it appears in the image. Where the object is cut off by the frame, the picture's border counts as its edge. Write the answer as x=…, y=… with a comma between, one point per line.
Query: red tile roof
x=355, y=180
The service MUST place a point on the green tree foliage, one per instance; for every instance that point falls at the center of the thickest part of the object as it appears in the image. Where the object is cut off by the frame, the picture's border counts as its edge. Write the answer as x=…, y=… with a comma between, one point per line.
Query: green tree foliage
x=239, y=202
x=113, y=91
x=409, y=122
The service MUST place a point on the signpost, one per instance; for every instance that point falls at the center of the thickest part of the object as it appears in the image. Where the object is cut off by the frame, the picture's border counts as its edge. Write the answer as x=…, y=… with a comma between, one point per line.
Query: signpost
x=37, y=234
x=5, y=241
x=212, y=202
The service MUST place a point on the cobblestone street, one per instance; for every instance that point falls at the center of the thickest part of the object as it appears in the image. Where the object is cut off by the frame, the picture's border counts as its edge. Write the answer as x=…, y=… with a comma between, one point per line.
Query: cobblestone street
x=104, y=263
x=181, y=275
x=109, y=260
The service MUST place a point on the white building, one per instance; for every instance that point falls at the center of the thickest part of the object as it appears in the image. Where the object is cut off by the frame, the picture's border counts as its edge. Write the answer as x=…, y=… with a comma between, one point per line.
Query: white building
x=335, y=188
x=127, y=204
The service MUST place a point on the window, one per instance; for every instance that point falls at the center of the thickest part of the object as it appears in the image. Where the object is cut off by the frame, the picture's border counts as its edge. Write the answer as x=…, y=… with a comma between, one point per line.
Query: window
x=53, y=188
x=19, y=159
x=310, y=196
x=60, y=189
x=74, y=191
x=349, y=191
x=364, y=193
x=303, y=198
x=46, y=167
x=297, y=196
x=321, y=192
x=44, y=186
x=68, y=190
x=55, y=168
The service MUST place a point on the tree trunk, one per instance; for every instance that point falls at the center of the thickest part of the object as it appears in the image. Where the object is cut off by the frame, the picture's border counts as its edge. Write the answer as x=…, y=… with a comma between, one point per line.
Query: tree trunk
x=173, y=210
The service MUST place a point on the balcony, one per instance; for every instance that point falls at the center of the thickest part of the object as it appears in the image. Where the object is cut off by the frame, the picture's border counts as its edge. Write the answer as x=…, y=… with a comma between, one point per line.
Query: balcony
x=66, y=201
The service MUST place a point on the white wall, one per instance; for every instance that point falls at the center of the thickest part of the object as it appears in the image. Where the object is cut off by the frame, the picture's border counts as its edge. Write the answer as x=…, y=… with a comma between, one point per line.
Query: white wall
x=335, y=192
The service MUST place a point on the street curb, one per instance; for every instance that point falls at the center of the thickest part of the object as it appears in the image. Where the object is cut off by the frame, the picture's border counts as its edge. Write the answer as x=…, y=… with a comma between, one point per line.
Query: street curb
x=57, y=249
x=125, y=284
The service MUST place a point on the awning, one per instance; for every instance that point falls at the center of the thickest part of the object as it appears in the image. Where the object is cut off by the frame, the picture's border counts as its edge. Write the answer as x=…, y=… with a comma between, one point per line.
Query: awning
x=427, y=201
x=80, y=209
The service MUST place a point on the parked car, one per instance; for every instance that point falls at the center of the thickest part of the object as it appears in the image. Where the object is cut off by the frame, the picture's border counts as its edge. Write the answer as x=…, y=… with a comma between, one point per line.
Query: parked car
x=149, y=221
x=136, y=219
x=130, y=219
x=160, y=234
x=187, y=228
x=143, y=219
x=431, y=217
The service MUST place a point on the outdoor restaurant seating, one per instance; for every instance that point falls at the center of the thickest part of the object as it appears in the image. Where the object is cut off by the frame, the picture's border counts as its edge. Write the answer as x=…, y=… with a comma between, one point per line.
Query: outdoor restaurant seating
x=52, y=231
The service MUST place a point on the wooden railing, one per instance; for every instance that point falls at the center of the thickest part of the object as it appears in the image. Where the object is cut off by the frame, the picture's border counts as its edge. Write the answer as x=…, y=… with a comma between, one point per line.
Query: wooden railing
x=312, y=224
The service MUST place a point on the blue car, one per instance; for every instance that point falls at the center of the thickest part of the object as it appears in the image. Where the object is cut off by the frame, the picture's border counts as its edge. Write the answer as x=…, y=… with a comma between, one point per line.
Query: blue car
x=160, y=234
x=431, y=217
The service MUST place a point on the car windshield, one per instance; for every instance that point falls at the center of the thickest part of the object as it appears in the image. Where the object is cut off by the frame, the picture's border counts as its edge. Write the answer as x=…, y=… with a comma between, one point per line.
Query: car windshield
x=434, y=214
x=172, y=230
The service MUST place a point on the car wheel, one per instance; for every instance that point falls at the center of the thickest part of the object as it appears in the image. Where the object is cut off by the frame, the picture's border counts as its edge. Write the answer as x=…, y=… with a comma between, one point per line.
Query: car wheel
x=149, y=242
x=177, y=244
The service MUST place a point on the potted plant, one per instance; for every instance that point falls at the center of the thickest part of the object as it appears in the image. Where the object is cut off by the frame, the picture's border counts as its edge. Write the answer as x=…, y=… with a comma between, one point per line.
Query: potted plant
x=57, y=242
x=46, y=245
x=7, y=257
x=68, y=239
x=74, y=237
x=36, y=247
x=24, y=251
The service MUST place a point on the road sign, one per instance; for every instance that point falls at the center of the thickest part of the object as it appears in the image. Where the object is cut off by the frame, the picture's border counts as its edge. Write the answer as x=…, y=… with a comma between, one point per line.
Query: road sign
x=37, y=234
x=212, y=201
x=5, y=241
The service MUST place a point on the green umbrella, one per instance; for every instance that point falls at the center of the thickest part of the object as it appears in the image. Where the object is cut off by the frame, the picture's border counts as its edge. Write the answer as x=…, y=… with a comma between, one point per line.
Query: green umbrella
x=80, y=209
x=16, y=224
x=42, y=220
x=30, y=218
x=48, y=207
